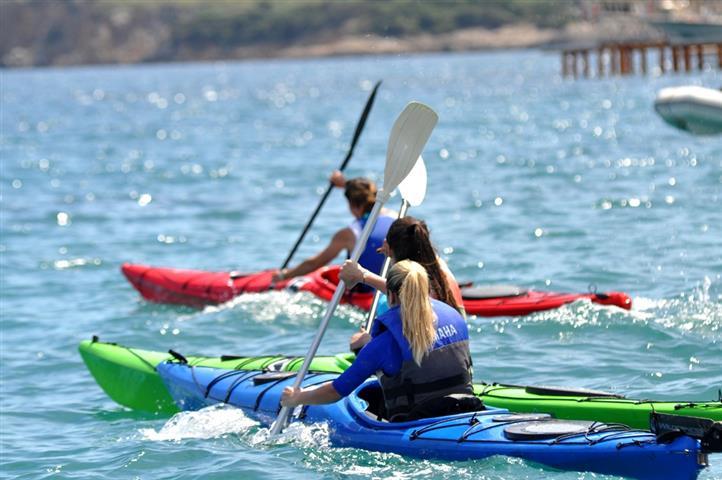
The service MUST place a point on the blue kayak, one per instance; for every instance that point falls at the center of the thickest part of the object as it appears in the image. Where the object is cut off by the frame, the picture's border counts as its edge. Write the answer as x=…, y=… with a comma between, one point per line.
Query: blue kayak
x=561, y=444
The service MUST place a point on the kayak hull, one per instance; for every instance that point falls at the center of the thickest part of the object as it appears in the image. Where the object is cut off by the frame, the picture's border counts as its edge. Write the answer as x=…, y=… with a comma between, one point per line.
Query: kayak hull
x=129, y=377
x=470, y=436
x=198, y=288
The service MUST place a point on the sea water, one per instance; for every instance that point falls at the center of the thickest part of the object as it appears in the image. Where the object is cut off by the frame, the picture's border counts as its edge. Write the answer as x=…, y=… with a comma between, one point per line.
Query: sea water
x=533, y=180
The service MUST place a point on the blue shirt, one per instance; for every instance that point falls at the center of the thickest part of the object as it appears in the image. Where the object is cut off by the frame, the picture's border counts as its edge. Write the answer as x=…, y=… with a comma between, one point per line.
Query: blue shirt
x=381, y=353
x=387, y=353
x=370, y=259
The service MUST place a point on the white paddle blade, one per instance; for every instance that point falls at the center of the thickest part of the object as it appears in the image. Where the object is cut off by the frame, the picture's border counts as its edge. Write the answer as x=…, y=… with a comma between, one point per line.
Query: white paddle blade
x=409, y=135
x=413, y=187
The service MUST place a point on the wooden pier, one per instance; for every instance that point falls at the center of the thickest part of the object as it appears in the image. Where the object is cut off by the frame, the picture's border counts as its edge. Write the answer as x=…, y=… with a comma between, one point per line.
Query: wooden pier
x=630, y=58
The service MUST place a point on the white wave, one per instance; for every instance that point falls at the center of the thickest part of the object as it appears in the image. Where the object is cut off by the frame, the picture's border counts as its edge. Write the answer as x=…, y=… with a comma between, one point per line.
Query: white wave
x=269, y=306
x=315, y=435
x=691, y=311
x=210, y=422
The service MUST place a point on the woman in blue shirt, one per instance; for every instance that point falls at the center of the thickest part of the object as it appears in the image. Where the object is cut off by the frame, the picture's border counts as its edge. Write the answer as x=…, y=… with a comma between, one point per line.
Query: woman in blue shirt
x=420, y=353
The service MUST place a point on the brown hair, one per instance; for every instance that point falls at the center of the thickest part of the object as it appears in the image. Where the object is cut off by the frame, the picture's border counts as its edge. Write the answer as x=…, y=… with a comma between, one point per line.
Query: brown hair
x=410, y=282
x=409, y=239
x=361, y=192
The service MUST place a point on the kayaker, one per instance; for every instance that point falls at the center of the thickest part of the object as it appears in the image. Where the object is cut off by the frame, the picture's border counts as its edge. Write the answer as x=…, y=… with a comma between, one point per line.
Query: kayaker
x=408, y=238
x=361, y=196
x=422, y=355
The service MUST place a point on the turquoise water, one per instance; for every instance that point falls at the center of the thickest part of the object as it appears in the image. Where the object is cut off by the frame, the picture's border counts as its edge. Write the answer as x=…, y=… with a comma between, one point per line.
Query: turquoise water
x=533, y=180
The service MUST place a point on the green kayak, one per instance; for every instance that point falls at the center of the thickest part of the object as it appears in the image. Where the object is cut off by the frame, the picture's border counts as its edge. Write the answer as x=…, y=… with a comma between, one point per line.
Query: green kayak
x=129, y=377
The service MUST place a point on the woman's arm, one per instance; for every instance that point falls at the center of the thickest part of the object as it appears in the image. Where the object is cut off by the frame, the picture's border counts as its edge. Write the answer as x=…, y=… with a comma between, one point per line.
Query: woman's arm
x=343, y=240
x=380, y=354
x=352, y=273
x=293, y=396
x=358, y=340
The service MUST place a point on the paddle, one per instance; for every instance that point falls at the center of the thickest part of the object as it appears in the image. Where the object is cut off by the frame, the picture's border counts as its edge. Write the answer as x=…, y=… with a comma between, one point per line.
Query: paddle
x=413, y=191
x=408, y=136
x=356, y=135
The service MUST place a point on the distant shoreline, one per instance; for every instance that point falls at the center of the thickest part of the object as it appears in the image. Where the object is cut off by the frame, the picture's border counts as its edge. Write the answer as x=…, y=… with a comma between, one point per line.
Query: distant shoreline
x=516, y=36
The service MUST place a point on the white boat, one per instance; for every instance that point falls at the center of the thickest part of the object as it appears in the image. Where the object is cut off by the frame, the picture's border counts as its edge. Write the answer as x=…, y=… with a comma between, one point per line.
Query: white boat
x=695, y=109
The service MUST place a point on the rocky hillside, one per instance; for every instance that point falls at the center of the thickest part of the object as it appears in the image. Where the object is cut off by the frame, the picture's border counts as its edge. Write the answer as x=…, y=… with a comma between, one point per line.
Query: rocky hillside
x=72, y=32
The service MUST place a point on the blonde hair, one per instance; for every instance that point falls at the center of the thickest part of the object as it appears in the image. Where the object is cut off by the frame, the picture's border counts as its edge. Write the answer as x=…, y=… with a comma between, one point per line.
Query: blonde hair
x=410, y=282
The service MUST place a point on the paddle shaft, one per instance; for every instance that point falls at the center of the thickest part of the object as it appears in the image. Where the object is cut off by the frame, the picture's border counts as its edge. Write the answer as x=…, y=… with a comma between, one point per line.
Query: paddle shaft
x=338, y=294
x=357, y=133
x=384, y=270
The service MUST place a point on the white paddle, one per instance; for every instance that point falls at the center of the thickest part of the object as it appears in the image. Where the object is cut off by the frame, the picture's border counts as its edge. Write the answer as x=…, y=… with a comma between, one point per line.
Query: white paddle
x=413, y=188
x=413, y=191
x=408, y=137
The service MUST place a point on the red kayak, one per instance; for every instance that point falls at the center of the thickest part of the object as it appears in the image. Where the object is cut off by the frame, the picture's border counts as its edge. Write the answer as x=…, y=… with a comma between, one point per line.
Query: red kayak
x=198, y=288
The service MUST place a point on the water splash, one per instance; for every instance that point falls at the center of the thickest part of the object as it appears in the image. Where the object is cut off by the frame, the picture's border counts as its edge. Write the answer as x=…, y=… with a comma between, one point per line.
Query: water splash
x=313, y=436
x=578, y=314
x=696, y=311
x=211, y=422
x=297, y=308
x=220, y=420
x=268, y=306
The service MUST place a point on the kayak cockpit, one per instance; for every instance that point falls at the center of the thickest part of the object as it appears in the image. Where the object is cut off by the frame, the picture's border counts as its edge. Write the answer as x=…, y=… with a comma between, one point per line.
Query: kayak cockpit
x=366, y=404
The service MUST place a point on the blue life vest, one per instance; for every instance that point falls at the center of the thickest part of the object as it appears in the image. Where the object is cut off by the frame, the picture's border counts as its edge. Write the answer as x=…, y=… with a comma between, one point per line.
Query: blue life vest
x=370, y=259
x=445, y=370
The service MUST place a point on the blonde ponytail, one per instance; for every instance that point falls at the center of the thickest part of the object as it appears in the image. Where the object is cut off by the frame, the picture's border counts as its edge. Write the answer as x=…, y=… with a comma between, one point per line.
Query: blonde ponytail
x=410, y=282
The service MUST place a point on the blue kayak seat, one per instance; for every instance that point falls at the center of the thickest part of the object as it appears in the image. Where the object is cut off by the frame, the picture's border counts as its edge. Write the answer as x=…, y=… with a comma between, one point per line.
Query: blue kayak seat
x=451, y=404
x=374, y=398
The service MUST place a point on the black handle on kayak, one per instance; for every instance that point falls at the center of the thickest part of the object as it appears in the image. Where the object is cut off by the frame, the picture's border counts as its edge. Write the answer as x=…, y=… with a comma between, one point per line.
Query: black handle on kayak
x=178, y=356
x=356, y=135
